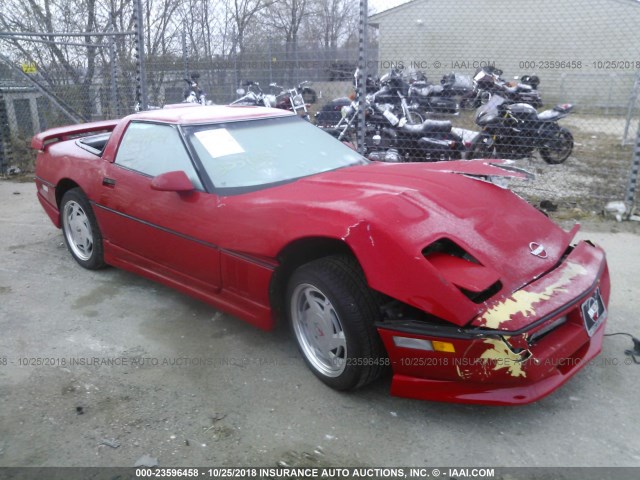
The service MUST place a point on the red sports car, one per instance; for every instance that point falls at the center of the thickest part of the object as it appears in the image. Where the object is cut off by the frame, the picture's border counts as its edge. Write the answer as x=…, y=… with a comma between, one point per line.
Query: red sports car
x=432, y=271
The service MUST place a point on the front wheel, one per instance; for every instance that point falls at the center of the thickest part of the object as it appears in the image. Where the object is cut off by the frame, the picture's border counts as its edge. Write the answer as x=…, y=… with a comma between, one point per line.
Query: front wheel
x=558, y=147
x=482, y=148
x=332, y=312
x=414, y=117
x=309, y=95
x=80, y=228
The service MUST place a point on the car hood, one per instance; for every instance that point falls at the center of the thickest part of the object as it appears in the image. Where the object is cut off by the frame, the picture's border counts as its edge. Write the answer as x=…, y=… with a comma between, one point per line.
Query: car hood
x=389, y=213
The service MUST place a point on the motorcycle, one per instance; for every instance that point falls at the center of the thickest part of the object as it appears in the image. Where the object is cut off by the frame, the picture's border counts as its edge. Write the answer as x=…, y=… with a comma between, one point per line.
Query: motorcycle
x=287, y=99
x=293, y=99
x=253, y=95
x=331, y=112
x=442, y=98
x=488, y=81
x=193, y=93
x=516, y=130
x=394, y=91
x=391, y=138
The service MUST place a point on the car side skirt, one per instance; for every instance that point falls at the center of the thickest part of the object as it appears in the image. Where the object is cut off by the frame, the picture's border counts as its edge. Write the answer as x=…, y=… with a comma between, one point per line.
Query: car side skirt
x=226, y=300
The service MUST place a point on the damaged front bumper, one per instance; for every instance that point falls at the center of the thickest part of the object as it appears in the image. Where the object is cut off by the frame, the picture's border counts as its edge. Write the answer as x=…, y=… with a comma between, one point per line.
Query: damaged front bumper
x=522, y=348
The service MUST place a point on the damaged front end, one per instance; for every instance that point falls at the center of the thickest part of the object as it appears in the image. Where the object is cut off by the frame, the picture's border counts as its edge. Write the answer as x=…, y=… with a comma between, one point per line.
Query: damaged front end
x=520, y=348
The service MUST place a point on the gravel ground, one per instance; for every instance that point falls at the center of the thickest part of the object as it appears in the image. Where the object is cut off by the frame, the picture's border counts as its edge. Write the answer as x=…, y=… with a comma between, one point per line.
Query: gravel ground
x=254, y=402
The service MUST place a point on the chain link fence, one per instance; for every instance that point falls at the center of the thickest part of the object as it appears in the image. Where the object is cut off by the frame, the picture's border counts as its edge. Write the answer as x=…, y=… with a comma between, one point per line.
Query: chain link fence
x=432, y=76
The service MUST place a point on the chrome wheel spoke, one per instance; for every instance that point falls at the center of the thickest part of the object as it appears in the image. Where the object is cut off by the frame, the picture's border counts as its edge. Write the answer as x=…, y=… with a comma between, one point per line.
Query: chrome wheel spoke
x=336, y=343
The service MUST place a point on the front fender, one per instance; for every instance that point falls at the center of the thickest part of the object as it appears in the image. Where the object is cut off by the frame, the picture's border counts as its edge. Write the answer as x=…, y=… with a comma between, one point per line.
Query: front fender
x=406, y=276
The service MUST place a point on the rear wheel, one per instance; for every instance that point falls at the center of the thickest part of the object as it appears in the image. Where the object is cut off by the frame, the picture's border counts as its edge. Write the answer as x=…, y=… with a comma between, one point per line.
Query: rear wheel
x=80, y=228
x=558, y=148
x=332, y=312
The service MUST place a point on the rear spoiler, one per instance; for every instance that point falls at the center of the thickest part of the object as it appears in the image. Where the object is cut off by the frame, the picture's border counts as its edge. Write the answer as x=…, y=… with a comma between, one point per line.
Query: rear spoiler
x=53, y=135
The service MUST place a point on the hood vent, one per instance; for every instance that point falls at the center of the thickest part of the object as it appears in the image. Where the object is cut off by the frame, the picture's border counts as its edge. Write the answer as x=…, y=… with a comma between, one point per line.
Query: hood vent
x=477, y=282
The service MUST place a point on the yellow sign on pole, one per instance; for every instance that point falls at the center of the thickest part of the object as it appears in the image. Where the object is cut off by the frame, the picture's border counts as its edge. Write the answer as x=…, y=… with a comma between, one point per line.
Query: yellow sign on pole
x=29, y=67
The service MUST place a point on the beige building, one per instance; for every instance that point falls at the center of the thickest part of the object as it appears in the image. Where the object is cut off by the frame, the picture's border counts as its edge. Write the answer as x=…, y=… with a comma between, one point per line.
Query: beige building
x=584, y=51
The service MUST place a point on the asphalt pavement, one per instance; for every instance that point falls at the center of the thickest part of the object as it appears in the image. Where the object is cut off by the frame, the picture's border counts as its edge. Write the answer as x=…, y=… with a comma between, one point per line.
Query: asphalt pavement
x=100, y=368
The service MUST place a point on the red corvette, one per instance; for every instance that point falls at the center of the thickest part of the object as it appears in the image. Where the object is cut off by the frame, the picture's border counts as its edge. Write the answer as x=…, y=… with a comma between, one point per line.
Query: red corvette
x=459, y=287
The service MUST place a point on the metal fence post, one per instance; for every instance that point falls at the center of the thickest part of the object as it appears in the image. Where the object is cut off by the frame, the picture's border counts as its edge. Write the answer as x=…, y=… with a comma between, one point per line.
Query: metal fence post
x=270, y=61
x=141, y=74
x=185, y=54
x=632, y=106
x=5, y=137
x=361, y=89
x=633, y=175
x=114, y=73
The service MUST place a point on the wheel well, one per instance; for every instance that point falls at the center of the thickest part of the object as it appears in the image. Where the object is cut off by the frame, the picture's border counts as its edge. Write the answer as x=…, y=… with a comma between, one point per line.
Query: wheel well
x=294, y=255
x=63, y=187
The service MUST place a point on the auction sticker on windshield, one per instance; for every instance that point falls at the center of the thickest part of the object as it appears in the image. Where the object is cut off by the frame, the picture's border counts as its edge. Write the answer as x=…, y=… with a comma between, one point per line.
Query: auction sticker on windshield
x=219, y=142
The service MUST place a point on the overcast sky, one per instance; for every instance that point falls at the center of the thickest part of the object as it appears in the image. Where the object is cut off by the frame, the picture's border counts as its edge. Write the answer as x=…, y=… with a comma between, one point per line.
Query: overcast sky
x=381, y=5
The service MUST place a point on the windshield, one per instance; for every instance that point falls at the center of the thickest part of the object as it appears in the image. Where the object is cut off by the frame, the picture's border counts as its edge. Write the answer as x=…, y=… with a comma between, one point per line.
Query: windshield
x=262, y=152
x=491, y=107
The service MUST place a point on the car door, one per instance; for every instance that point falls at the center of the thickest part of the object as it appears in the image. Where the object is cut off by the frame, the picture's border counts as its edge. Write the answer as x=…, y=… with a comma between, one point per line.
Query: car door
x=171, y=234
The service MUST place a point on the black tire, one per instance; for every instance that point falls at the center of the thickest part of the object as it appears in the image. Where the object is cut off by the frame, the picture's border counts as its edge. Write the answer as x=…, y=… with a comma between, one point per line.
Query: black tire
x=415, y=117
x=338, y=307
x=480, y=149
x=562, y=148
x=309, y=95
x=80, y=230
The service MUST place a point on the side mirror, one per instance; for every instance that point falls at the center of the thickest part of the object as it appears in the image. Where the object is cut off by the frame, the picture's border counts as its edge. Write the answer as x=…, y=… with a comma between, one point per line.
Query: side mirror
x=176, y=181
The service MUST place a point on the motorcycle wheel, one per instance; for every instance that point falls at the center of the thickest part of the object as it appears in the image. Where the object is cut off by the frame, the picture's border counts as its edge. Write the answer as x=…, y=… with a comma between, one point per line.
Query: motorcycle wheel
x=415, y=117
x=562, y=146
x=481, y=150
x=309, y=95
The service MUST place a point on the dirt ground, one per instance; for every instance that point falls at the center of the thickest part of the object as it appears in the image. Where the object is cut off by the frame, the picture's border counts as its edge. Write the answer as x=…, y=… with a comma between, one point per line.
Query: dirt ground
x=191, y=386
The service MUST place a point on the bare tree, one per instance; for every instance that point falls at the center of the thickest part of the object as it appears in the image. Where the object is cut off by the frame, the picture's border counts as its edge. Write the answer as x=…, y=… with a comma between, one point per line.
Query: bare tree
x=332, y=21
x=50, y=54
x=242, y=13
x=286, y=17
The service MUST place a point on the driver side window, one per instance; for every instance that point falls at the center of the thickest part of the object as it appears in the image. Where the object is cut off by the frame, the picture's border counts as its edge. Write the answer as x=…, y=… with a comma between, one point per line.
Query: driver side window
x=153, y=149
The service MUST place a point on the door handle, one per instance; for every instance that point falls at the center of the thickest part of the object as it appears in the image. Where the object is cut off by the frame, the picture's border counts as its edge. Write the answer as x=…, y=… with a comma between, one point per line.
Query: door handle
x=108, y=182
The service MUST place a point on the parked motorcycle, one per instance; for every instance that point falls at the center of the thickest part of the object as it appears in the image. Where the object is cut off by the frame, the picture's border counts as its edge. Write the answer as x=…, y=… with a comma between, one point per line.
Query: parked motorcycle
x=516, y=130
x=253, y=95
x=286, y=99
x=391, y=138
x=293, y=99
x=443, y=98
x=193, y=93
x=331, y=112
x=488, y=81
